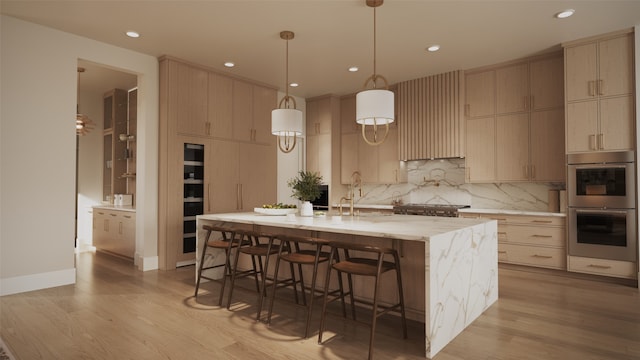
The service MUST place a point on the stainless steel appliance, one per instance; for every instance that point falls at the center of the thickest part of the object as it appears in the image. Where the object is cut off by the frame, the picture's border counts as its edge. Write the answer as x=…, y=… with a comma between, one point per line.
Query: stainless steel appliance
x=603, y=233
x=602, y=179
x=601, y=189
x=428, y=209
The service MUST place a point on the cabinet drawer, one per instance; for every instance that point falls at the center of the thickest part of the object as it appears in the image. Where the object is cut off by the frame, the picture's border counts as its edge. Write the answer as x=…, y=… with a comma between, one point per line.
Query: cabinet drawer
x=554, y=258
x=535, y=235
x=621, y=269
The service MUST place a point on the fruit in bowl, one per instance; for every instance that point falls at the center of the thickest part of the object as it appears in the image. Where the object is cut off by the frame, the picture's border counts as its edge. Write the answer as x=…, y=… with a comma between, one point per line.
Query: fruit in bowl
x=279, y=206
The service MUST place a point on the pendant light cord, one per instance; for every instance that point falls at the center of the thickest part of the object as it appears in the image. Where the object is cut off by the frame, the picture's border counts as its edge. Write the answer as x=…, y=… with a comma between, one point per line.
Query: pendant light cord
x=374, y=47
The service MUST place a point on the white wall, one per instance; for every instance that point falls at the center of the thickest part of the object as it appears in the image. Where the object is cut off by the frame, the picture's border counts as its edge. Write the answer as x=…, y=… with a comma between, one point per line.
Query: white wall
x=38, y=75
x=289, y=164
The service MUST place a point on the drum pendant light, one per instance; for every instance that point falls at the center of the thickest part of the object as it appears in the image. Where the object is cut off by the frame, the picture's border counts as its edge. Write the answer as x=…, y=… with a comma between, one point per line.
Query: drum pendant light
x=375, y=107
x=286, y=120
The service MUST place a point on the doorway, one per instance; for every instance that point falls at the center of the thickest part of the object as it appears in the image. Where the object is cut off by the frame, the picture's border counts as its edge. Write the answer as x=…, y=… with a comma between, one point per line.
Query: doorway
x=94, y=82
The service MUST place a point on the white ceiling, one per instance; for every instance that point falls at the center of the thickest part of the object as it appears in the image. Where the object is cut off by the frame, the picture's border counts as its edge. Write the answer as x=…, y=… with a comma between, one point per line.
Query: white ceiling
x=331, y=35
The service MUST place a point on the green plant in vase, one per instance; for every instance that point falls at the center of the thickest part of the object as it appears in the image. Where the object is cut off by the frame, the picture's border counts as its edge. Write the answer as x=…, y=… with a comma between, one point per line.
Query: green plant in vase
x=306, y=188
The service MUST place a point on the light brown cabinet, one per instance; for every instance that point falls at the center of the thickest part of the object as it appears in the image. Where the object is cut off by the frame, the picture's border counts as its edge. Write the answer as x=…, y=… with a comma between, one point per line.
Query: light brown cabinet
x=599, y=88
x=239, y=166
x=533, y=240
x=322, y=127
x=377, y=164
x=523, y=139
x=114, y=231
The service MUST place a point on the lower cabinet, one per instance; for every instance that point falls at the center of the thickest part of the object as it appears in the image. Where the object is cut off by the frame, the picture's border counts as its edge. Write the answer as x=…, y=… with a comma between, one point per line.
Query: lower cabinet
x=605, y=267
x=533, y=240
x=114, y=231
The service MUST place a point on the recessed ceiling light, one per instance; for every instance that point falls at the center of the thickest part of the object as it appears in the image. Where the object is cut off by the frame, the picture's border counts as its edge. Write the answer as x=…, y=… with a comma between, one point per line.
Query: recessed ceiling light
x=565, y=14
x=133, y=34
x=293, y=84
x=433, y=48
x=353, y=69
x=229, y=64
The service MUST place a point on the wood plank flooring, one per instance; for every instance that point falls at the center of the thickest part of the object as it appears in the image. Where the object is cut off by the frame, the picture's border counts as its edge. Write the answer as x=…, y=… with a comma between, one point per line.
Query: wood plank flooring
x=117, y=312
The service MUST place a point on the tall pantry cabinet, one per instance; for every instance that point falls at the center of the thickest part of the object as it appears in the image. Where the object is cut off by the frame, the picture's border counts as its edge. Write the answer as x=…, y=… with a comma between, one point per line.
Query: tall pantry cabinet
x=599, y=88
x=216, y=152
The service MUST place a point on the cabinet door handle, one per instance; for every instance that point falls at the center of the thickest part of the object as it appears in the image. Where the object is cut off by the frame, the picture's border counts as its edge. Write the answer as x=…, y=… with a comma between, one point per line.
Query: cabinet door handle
x=237, y=196
x=600, y=87
x=542, y=256
x=120, y=227
x=526, y=171
x=599, y=266
x=541, y=236
x=531, y=102
x=533, y=171
x=241, y=202
x=591, y=88
x=600, y=141
x=592, y=142
x=208, y=197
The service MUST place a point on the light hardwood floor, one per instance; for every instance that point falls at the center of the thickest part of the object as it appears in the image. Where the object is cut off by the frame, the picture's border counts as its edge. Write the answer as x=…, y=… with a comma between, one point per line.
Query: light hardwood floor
x=117, y=312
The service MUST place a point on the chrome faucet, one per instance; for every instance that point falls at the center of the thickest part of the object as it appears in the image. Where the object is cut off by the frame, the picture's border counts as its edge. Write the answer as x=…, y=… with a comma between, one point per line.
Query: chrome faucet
x=356, y=180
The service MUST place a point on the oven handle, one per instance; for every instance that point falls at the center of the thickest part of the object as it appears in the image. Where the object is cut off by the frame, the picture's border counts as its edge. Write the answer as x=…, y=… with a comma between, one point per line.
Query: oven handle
x=614, y=165
x=600, y=211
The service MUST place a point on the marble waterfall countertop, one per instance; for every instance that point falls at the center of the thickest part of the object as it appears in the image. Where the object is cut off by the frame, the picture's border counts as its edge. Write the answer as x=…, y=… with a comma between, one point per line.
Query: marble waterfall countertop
x=459, y=258
x=402, y=227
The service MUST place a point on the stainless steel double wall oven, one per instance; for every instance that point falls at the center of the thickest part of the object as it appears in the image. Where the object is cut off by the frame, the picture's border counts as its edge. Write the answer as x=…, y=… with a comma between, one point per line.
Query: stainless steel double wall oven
x=601, y=190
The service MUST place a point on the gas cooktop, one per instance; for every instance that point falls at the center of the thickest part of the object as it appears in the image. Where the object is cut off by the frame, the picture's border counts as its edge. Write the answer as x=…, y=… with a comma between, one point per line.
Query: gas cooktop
x=446, y=210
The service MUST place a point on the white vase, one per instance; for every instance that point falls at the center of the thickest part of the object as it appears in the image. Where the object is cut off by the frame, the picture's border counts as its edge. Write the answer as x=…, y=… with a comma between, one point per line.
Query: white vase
x=306, y=209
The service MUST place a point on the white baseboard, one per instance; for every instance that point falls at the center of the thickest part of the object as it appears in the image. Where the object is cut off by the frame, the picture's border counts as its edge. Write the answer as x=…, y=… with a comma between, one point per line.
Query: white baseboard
x=20, y=284
x=148, y=263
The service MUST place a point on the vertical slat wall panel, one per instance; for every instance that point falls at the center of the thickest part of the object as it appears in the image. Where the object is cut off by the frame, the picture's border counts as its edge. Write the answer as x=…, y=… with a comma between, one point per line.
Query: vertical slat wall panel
x=430, y=121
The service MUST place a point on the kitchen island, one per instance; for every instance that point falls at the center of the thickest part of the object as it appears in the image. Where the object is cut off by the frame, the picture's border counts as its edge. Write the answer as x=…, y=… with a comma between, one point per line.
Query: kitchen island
x=449, y=265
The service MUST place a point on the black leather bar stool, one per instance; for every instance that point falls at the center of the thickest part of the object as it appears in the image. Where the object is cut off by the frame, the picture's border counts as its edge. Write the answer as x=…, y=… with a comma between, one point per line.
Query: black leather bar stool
x=313, y=252
x=227, y=243
x=360, y=265
x=261, y=246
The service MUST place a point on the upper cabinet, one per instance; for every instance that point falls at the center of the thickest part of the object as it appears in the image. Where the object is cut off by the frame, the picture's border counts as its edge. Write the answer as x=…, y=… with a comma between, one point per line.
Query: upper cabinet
x=205, y=103
x=515, y=121
x=322, y=129
x=429, y=116
x=599, y=87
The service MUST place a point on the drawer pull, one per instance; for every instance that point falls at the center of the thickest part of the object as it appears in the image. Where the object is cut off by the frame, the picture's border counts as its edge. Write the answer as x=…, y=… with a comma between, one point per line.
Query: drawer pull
x=501, y=252
x=499, y=219
x=542, y=256
x=113, y=214
x=542, y=221
x=599, y=266
x=502, y=233
x=128, y=216
x=541, y=236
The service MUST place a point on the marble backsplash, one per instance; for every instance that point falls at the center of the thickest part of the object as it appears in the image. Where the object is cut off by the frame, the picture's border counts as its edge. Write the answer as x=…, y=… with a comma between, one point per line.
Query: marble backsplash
x=442, y=182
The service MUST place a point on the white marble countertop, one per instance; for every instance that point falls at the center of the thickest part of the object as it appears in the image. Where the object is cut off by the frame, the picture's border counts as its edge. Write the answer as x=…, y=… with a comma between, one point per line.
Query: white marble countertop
x=128, y=208
x=403, y=227
x=511, y=212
